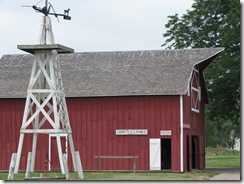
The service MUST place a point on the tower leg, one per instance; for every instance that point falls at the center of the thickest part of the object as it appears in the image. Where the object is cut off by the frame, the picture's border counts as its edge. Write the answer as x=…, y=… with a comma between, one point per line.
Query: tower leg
x=79, y=166
x=33, y=155
x=21, y=139
x=34, y=143
x=11, y=167
x=72, y=149
x=60, y=154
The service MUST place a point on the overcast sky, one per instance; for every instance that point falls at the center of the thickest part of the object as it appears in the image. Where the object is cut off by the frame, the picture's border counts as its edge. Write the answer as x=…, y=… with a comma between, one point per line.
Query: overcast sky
x=96, y=25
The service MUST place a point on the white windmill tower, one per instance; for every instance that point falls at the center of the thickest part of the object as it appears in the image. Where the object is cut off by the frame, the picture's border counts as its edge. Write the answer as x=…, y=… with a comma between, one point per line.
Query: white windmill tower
x=45, y=101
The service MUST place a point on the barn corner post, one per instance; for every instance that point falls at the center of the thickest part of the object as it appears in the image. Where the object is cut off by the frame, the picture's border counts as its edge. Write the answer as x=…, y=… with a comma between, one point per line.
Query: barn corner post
x=181, y=135
x=45, y=103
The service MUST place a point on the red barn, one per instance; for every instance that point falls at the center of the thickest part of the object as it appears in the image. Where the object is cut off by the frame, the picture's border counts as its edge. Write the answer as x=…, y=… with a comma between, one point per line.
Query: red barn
x=148, y=104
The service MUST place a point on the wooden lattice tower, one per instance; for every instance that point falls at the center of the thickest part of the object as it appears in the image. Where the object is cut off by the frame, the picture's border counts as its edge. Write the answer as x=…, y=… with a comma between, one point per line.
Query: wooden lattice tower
x=45, y=103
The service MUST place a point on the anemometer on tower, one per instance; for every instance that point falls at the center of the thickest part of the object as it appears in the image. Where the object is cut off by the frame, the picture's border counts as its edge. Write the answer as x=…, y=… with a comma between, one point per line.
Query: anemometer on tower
x=45, y=108
x=46, y=10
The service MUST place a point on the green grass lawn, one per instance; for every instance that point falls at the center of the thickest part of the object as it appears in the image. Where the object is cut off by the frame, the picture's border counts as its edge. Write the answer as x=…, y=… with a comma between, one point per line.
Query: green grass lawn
x=221, y=157
x=225, y=159
x=145, y=176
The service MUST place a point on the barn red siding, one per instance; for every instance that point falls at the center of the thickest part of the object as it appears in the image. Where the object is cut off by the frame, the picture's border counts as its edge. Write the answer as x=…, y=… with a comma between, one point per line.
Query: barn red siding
x=98, y=118
x=93, y=122
x=196, y=122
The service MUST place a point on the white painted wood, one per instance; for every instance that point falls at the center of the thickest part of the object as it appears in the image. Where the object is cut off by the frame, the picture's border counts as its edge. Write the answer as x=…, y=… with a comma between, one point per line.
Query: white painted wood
x=28, y=168
x=181, y=134
x=41, y=91
x=72, y=150
x=155, y=154
x=45, y=131
x=46, y=33
x=79, y=166
x=195, y=110
x=33, y=155
x=44, y=71
x=26, y=111
x=11, y=166
x=21, y=140
x=195, y=99
x=199, y=93
x=38, y=72
x=66, y=167
x=195, y=69
x=44, y=119
x=45, y=95
x=60, y=154
x=40, y=109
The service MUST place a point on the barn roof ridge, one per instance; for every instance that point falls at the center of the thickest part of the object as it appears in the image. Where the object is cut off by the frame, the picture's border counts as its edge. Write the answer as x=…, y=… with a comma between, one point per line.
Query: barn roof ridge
x=112, y=73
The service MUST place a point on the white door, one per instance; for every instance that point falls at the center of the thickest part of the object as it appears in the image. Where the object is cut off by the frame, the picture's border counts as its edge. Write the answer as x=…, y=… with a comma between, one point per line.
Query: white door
x=155, y=154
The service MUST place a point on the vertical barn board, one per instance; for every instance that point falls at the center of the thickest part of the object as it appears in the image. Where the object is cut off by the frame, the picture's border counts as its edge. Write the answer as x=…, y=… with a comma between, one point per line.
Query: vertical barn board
x=90, y=136
x=136, y=150
x=202, y=152
x=4, y=145
x=168, y=113
x=10, y=133
x=104, y=162
x=158, y=120
x=100, y=128
x=42, y=145
x=120, y=125
x=84, y=135
x=94, y=131
x=1, y=134
x=151, y=115
x=114, y=138
x=109, y=131
x=164, y=123
x=155, y=154
x=142, y=142
x=126, y=126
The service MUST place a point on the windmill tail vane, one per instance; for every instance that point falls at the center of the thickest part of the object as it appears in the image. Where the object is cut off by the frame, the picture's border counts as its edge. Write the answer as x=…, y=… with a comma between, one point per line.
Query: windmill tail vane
x=46, y=10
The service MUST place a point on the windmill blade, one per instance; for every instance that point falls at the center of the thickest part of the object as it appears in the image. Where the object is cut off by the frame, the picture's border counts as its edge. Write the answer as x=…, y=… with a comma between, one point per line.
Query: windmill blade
x=25, y=6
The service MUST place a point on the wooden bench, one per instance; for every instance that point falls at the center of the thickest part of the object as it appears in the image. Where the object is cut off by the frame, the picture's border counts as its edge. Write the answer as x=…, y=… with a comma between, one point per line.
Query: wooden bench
x=132, y=157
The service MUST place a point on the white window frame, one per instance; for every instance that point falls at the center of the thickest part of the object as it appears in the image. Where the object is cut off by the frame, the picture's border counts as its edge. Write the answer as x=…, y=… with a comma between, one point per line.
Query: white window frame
x=195, y=100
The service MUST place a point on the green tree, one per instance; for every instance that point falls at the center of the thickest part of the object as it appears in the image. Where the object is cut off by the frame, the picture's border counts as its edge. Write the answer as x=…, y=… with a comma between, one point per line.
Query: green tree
x=214, y=24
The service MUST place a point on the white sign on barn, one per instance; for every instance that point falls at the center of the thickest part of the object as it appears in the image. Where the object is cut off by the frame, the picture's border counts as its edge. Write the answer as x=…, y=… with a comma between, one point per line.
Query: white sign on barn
x=165, y=132
x=132, y=132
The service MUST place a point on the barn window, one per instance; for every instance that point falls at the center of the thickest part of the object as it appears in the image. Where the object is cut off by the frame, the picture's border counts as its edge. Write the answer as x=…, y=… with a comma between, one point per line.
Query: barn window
x=195, y=91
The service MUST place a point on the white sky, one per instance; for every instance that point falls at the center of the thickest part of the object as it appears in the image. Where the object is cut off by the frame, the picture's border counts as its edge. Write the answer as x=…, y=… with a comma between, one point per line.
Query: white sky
x=96, y=25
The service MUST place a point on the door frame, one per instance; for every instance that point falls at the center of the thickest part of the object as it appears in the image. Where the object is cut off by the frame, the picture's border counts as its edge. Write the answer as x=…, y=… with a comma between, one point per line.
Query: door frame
x=50, y=147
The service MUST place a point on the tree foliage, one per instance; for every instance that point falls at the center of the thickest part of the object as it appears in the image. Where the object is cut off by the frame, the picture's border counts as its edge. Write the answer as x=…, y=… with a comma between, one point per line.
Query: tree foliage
x=214, y=24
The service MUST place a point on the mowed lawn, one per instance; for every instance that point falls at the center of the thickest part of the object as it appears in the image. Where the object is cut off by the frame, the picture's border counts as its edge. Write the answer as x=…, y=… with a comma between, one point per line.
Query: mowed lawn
x=211, y=161
x=145, y=176
x=221, y=157
x=223, y=161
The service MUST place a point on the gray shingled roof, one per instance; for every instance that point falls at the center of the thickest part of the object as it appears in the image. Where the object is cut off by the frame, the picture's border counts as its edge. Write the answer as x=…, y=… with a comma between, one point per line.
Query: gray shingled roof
x=157, y=72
